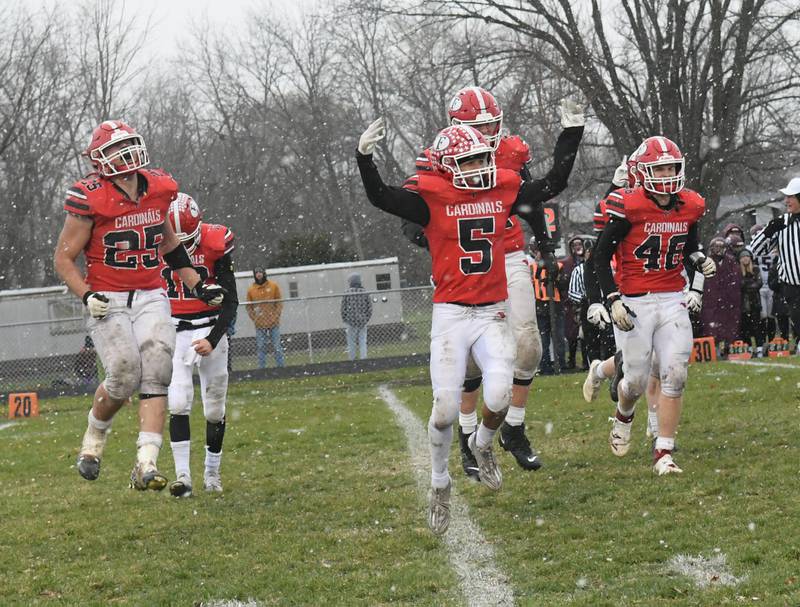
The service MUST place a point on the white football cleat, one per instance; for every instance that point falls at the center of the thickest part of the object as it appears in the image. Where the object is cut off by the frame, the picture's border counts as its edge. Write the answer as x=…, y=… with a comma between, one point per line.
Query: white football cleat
x=665, y=465
x=181, y=487
x=592, y=383
x=620, y=437
x=489, y=471
x=212, y=482
x=439, y=509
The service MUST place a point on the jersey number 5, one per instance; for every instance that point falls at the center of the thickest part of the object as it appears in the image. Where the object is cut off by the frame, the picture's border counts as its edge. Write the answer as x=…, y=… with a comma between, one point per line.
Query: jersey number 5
x=472, y=238
x=650, y=252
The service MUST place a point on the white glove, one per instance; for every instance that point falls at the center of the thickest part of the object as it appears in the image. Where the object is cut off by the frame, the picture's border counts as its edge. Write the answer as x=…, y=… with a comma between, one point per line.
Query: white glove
x=705, y=264
x=621, y=173
x=571, y=114
x=369, y=138
x=694, y=301
x=97, y=304
x=598, y=316
x=622, y=315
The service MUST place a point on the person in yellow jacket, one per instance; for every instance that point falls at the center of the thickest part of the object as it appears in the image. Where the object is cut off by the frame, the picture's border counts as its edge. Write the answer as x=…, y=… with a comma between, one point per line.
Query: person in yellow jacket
x=266, y=316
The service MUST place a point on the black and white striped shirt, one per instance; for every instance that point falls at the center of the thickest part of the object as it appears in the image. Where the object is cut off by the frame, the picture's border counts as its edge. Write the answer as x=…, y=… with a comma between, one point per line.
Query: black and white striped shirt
x=788, y=242
x=577, y=288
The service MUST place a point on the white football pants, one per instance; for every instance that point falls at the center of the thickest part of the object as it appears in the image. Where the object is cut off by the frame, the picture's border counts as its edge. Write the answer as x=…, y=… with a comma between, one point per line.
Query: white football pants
x=662, y=336
x=213, y=371
x=135, y=344
x=457, y=330
x=521, y=318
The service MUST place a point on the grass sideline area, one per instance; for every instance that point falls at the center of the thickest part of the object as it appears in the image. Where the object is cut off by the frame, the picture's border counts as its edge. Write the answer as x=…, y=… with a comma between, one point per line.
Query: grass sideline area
x=321, y=507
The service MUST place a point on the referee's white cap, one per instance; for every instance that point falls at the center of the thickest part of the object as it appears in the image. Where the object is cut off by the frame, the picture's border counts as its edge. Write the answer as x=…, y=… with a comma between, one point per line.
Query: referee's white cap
x=793, y=188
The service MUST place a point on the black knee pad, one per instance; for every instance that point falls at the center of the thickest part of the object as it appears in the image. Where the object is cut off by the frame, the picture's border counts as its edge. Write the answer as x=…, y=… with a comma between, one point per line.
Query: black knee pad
x=473, y=383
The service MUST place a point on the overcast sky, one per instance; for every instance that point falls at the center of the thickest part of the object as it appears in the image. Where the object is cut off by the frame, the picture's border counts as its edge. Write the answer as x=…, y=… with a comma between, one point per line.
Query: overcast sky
x=171, y=19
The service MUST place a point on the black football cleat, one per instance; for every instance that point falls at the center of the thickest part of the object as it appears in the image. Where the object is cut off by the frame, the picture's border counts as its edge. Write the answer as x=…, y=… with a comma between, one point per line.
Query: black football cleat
x=613, y=387
x=89, y=467
x=468, y=461
x=513, y=440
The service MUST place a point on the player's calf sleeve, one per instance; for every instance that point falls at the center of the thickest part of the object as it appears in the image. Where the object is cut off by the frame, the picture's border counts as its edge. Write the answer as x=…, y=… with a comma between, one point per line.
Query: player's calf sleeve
x=440, y=439
x=179, y=428
x=472, y=383
x=215, y=433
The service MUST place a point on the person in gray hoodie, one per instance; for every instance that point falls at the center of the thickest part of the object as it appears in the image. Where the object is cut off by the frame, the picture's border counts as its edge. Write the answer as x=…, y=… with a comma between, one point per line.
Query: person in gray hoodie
x=356, y=312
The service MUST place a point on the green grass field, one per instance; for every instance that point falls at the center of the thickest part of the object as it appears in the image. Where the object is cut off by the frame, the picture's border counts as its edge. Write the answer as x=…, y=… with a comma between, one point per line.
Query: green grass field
x=321, y=506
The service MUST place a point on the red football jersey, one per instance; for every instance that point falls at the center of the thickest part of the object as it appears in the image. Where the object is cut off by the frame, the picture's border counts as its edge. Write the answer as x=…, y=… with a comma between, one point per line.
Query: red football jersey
x=651, y=254
x=122, y=253
x=215, y=241
x=466, y=237
x=512, y=153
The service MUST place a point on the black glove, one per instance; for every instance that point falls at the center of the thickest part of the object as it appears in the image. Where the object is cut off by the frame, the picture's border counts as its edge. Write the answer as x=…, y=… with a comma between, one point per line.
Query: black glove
x=211, y=294
x=774, y=226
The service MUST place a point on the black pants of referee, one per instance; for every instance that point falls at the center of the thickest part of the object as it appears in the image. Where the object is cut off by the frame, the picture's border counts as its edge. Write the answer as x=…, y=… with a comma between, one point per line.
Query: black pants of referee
x=791, y=295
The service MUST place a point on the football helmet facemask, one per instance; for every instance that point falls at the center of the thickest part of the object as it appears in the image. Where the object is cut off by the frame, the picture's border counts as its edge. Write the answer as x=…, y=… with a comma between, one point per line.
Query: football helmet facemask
x=116, y=149
x=454, y=153
x=186, y=218
x=477, y=107
x=654, y=152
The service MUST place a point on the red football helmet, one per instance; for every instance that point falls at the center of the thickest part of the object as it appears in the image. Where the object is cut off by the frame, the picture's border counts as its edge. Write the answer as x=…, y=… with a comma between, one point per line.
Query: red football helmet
x=457, y=145
x=186, y=218
x=654, y=152
x=477, y=107
x=121, y=159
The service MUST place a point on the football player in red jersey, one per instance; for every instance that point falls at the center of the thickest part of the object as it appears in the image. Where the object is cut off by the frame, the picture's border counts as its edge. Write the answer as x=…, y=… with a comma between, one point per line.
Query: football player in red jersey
x=475, y=106
x=117, y=217
x=201, y=341
x=652, y=231
x=464, y=204
x=625, y=176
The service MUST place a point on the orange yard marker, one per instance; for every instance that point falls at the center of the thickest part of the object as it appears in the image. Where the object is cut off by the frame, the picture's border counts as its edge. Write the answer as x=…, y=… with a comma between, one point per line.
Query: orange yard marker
x=23, y=404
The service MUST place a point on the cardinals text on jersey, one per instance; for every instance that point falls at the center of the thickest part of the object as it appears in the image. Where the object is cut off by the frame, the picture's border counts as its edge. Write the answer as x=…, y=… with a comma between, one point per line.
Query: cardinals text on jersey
x=122, y=253
x=466, y=236
x=651, y=254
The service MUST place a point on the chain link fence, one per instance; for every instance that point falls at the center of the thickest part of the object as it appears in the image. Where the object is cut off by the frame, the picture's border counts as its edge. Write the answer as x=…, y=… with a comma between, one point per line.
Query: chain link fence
x=43, y=336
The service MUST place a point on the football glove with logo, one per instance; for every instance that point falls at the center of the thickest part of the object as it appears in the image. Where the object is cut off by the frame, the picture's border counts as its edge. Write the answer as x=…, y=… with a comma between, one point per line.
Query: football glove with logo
x=704, y=264
x=621, y=173
x=211, y=294
x=96, y=303
x=598, y=316
x=621, y=314
x=571, y=114
x=370, y=138
x=694, y=301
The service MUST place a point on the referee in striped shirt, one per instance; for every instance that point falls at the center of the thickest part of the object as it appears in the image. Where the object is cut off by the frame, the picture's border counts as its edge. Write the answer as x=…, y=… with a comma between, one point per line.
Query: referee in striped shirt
x=784, y=232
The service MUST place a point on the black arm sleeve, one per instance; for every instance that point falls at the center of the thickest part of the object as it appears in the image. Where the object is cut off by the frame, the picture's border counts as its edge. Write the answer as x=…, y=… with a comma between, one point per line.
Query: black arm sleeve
x=223, y=272
x=593, y=294
x=692, y=246
x=525, y=173
x=178, y=258
x=397, y=201
x=414, y=233
x=533, y=193
x=614, y=232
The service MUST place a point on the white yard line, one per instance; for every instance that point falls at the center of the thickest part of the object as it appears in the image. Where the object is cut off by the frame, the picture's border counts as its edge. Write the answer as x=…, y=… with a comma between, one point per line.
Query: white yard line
x=7, y=425
x=472, y=557
x=756, y=363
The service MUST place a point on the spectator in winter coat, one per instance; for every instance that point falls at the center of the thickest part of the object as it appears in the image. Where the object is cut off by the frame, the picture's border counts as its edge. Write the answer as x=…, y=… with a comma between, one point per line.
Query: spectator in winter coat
x=721, y=296
x=356, y=312
x=265, y=312
x=751, y=326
